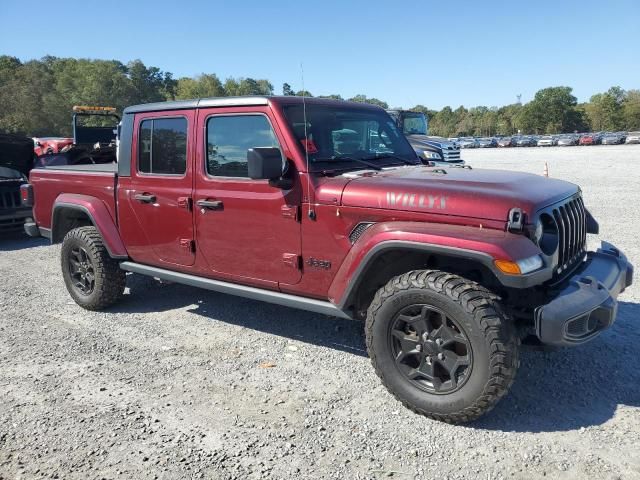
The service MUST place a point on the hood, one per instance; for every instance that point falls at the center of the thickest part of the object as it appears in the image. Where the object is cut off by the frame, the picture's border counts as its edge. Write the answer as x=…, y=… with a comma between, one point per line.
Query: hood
x=16, y=153
x=477, y=193
x=425, y=141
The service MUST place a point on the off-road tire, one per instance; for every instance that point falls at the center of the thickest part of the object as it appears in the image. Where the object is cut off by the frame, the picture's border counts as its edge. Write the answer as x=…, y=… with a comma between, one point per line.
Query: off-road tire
x=491, y=334
x=110, y=280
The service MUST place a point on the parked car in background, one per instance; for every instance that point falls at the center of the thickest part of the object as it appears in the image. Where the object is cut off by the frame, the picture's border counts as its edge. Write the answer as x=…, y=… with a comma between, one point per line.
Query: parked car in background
x=589, y=139
x=567, y=141
x=612, y=139
x=505, y=142
x=469, y=142
x=633, y=137
x=487, y=143
x=525, y=141
x=547, y=141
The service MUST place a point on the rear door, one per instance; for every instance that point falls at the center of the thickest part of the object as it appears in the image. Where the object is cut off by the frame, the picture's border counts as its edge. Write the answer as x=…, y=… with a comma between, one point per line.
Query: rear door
x=250, y=230
x=156, y=215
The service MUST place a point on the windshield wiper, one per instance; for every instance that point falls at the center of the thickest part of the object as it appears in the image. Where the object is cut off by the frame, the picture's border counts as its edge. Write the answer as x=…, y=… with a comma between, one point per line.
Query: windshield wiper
x=347, y=158
x=395, y=157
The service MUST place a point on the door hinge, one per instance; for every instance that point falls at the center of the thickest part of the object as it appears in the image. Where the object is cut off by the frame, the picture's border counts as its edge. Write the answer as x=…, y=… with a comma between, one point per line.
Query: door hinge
x=188, y=244
x=292, y=260
x=185, y=202
x=292, y=212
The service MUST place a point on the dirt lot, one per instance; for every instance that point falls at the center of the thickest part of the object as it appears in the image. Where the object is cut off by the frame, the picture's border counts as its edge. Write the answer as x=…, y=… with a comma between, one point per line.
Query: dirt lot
x=169, y=383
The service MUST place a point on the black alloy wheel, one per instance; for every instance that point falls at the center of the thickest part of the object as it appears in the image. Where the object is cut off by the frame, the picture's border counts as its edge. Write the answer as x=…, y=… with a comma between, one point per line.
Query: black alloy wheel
x=431, y=349
x=82, y=271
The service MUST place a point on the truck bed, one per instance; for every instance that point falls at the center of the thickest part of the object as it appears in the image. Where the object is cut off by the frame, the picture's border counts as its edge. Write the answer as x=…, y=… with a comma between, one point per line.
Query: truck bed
x=97, y=180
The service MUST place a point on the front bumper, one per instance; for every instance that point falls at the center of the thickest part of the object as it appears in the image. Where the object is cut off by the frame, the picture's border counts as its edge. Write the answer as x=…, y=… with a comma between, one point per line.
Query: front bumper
x=587, y=305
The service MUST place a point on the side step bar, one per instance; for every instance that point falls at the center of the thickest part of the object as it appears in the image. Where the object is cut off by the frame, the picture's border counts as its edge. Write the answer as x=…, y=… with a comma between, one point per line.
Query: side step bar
x=278, y=298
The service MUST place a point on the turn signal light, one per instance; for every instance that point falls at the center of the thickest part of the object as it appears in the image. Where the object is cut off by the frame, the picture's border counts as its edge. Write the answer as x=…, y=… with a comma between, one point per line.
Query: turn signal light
x=521, y=267
x=507, y=266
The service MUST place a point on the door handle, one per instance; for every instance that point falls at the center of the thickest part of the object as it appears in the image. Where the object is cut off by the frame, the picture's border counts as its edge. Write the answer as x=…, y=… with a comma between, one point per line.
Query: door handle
x=210, y=204
x=145, y=197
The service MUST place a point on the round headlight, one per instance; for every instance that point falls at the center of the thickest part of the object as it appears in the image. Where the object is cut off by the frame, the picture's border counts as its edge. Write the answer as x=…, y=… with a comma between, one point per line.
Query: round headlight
x=547, y=240
x=537, y=234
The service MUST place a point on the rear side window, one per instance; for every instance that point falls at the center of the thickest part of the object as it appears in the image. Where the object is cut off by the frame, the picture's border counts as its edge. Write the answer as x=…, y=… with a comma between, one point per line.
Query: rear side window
x=229, y=138
x=162, y=146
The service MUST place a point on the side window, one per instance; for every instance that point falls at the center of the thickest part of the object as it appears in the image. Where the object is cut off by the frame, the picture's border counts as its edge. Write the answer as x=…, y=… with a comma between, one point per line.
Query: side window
x=162, y=146
x=229, y=138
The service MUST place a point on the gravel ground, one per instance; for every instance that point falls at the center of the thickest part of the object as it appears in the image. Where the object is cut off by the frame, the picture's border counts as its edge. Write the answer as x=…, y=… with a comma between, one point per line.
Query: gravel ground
x=177, y=382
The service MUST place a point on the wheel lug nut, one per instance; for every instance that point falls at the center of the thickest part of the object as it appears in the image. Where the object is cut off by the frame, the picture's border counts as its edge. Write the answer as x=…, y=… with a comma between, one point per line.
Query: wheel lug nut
x=439, y=341
x=441, y=356
x=419, y=348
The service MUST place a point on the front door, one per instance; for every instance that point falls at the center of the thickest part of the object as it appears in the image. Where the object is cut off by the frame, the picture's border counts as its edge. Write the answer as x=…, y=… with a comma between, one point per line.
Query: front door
x=247, y=230
x=156, y=213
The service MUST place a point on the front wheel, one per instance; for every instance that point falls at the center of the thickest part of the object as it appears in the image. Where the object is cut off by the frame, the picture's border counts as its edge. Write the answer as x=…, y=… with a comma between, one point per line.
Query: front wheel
x=94, y=280
x=442, y=345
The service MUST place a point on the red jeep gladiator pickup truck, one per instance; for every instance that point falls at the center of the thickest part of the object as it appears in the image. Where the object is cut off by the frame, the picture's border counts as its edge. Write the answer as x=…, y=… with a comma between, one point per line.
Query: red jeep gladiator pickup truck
x=323, y=205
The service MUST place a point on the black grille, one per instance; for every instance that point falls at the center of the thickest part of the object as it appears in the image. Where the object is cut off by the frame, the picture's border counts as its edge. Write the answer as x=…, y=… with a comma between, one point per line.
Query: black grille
x=358, y=231
x=571, y=218
x=9, y=199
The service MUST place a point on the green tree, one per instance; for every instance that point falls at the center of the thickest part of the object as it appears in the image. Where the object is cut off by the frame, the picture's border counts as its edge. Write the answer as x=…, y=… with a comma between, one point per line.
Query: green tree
x=150, y=84
x=506, y=119
x=553, y=110
x=605, y=111
x=443, y=123
x=22, y=96
x=631, y=110
x=247, y=86
x=202, y=86
x=364, y=99
x=287, y=90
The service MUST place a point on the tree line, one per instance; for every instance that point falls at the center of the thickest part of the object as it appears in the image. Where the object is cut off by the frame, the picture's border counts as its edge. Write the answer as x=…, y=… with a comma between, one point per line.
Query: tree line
x=37, y=96
x=552, y=110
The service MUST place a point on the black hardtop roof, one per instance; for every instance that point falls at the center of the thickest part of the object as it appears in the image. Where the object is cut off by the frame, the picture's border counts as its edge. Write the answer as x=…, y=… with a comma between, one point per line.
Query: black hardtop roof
x=246, y=101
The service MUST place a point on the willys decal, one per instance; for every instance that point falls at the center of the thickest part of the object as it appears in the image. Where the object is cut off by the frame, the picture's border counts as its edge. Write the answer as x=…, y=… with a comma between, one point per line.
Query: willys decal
x=417, y=201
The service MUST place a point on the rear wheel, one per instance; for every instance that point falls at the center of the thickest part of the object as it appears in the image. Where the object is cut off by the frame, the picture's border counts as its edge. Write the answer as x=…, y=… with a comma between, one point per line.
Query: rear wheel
x=94, y=280
x=442, y=345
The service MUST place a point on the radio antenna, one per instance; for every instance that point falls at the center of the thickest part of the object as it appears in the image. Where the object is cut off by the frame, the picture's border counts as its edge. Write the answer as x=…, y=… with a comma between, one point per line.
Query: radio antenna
x=311, y=213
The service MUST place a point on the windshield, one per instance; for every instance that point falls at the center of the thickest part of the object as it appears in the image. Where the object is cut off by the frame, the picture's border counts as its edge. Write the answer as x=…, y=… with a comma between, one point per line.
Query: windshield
x=414, y=124
x=339, y=135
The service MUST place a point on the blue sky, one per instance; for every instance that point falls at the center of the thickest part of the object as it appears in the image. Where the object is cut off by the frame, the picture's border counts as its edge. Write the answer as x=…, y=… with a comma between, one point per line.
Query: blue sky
x=404, y=52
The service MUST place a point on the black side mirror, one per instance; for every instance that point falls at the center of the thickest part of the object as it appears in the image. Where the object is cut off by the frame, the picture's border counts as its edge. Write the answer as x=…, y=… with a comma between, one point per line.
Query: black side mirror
x=264, y=163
